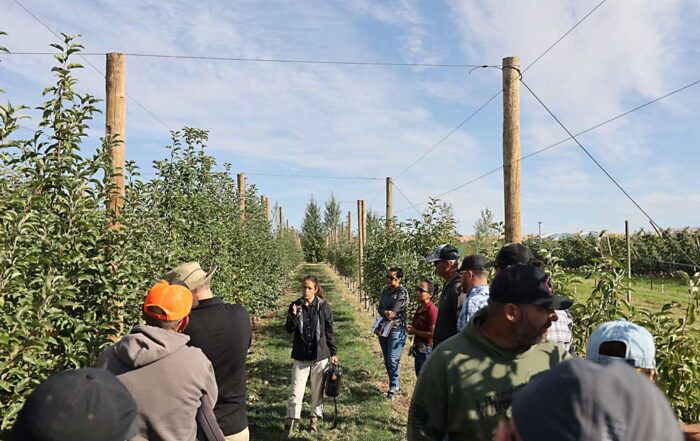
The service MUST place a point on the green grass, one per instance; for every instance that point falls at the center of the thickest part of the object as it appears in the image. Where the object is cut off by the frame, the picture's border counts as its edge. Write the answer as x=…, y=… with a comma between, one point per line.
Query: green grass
x=363, y=412
x=647, y=293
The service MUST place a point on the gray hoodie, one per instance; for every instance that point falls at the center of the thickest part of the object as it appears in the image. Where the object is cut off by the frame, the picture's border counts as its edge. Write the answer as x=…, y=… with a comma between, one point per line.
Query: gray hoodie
x=166, y=378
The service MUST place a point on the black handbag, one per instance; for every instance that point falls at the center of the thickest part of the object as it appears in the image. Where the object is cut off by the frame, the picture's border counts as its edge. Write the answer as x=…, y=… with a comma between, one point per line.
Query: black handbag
x=332, y=377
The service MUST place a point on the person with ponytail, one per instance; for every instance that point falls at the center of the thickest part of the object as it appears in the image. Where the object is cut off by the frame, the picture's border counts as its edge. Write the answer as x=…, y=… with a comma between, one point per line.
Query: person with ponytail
x=310, y=320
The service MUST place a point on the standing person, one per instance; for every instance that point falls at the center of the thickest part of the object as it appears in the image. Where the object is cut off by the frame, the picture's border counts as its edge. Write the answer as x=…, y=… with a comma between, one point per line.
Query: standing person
x=166, y=377
x=393, y=303
x=466, y=385
x=561, y=331
x=423, y=323
x=446, y=260
x=474, y=275
x=223, y=332
x=310, y=319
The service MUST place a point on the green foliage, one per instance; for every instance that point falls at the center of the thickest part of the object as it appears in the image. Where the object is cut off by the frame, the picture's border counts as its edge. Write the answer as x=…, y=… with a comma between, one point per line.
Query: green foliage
x=313, y=239
x=331, y=217
x=406, y=246
x=677, y=346
x=68, y=282
x=343, y=255
x=651, y=253
x=485, y=229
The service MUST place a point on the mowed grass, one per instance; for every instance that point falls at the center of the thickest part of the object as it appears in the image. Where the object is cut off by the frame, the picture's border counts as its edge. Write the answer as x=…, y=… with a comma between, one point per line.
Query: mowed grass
x=362, y=411
x=649, y=293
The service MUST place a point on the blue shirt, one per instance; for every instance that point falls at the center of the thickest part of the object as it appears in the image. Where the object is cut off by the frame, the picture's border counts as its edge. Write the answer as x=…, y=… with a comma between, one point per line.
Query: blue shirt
x=477, y=298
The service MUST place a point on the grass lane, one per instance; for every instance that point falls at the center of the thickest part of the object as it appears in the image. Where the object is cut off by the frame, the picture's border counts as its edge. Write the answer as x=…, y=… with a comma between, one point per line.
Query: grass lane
x=363, y=412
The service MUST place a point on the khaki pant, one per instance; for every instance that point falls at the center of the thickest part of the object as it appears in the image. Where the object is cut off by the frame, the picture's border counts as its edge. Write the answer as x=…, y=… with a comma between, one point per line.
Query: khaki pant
x=243, y=435
x=301, y=371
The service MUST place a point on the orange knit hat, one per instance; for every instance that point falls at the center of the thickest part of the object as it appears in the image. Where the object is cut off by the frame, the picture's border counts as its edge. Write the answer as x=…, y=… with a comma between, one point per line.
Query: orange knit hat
x=175, y=300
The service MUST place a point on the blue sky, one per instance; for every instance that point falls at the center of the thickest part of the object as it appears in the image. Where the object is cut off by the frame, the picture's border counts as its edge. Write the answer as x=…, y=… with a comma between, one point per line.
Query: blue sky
x=339, y=120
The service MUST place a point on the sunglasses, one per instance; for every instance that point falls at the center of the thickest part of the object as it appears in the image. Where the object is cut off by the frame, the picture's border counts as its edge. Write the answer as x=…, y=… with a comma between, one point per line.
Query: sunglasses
x=423, y=290
x=388, y=277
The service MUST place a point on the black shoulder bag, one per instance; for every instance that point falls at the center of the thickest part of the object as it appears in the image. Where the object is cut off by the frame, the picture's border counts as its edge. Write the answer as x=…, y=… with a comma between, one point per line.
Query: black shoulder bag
x=331, y=386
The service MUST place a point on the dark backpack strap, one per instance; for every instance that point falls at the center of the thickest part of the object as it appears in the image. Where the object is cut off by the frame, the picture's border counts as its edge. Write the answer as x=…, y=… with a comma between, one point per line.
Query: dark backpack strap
x=207, y=427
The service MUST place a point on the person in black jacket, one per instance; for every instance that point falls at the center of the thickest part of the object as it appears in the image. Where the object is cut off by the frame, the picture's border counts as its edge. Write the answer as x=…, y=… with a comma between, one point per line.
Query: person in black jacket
x=310, y=319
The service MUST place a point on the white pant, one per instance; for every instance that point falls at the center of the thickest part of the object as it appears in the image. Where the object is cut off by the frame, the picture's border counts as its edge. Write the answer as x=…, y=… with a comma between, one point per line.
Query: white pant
x=243, y=435
x=300, y=373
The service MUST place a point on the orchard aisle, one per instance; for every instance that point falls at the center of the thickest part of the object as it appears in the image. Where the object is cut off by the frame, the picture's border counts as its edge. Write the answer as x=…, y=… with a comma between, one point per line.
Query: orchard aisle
x=363, y=412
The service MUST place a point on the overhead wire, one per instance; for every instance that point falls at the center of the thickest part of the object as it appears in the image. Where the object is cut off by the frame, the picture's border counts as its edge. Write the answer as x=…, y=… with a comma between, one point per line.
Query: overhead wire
x=278, y=60
x=603, y=169
x=407, y=199
x=57, y=35
x=354, y=178
x=568, y=138
x=538, y=58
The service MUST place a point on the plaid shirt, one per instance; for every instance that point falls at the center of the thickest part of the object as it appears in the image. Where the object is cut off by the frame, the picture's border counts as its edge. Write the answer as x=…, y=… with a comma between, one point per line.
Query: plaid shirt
x=561, y=330
x=477, y=298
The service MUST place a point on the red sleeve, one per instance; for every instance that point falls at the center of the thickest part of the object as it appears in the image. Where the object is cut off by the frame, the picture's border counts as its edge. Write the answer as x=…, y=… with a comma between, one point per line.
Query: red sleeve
x=432, y=315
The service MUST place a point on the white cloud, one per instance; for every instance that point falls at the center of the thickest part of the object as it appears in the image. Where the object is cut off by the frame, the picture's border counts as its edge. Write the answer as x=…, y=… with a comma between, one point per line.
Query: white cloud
x=372, y=121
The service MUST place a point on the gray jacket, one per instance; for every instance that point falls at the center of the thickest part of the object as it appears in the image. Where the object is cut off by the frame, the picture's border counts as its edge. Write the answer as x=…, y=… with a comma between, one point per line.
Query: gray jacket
x=166, y=377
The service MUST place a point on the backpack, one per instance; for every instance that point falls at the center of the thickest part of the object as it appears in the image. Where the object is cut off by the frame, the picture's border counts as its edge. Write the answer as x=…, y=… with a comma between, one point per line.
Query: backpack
x=332, y=376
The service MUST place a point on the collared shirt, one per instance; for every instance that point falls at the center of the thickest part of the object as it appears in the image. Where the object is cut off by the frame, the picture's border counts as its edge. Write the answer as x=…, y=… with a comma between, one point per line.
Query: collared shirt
x=561, y=331
x=308, y=331
x=477, y=298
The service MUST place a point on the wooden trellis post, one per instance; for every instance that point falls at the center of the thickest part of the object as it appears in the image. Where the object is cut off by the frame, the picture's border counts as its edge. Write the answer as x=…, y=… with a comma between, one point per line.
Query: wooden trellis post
x=266, y=203
x=241, y=195
x=115, y=88
x=389, y=204
x=511, y=148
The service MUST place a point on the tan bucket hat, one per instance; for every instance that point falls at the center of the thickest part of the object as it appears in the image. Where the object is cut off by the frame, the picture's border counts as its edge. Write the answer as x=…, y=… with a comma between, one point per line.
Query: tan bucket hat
x=191, y=274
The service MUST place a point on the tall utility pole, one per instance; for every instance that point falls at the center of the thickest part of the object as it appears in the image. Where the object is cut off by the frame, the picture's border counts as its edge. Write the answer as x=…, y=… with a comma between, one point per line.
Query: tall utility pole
x=281, y=218
x=511, y=148
x=349, y=226
x=539, y=228
x=241, y=195
x=629, y=260
x=389, y=204
x=115, y=88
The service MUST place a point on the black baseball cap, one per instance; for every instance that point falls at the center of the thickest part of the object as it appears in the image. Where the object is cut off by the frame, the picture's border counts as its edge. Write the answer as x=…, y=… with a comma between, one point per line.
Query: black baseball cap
x=581, y=400
x=522, y=284
x=512, y=254
x=444, y=252
x=77, y=405
x=475, y=262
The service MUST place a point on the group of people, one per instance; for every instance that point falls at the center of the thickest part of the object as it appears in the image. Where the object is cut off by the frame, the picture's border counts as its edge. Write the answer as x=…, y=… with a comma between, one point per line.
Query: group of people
x=495, y=361
x=464, y=293
x=185, y=364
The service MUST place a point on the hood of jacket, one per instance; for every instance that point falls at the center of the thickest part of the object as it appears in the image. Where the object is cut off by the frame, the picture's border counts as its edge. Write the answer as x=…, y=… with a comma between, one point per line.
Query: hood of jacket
x=147, y=344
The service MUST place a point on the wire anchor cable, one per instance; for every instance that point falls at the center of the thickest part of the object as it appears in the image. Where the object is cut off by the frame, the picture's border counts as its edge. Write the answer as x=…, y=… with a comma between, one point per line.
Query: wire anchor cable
x=600, y=166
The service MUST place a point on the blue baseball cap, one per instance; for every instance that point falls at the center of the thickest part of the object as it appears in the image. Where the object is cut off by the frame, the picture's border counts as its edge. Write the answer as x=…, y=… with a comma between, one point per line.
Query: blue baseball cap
x=639, y=344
